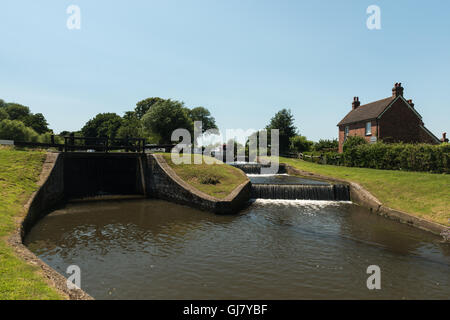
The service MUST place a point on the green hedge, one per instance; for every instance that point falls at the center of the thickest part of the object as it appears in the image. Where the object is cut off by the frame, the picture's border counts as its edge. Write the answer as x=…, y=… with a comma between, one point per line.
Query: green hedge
x=399, y=156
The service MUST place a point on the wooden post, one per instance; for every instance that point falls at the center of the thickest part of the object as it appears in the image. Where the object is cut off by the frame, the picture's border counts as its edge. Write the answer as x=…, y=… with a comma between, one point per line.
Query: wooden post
x=52, y=139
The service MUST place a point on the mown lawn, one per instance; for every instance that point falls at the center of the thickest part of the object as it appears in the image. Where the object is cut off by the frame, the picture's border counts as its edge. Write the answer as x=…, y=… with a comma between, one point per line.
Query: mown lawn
x=19, y=172
x=217, y=180
x=425, y=195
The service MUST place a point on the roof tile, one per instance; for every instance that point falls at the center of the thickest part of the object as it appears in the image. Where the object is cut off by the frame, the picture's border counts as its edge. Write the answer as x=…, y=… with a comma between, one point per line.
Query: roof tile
x=367, y=111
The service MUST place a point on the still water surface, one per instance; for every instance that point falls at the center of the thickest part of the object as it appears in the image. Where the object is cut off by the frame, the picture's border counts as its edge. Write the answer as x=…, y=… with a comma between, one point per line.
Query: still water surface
x=152, y=249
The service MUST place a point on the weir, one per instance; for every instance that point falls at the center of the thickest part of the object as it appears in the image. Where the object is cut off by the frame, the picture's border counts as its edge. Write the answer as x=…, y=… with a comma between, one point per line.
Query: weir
x=301, y=192
x=254, y=168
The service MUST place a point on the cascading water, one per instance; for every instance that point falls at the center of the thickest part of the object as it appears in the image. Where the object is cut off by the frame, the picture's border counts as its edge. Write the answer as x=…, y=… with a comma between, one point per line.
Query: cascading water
x=284, y=186
x=301, y=192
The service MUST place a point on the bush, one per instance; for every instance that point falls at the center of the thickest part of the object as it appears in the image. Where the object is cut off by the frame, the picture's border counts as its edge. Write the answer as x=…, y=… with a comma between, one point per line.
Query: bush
x=16, y=130
x=399, y=156
x=325, y=145
x=353, y=141
x=47, y=138
x=300, y=144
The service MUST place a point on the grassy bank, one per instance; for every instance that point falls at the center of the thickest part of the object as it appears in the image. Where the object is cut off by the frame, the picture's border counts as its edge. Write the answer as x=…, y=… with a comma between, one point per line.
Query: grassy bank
x=425, y=195
x=217, y=180
x=19, y=173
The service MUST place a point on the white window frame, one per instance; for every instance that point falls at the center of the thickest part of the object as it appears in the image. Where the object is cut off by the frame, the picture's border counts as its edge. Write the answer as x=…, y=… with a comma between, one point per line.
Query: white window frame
x=369, y=128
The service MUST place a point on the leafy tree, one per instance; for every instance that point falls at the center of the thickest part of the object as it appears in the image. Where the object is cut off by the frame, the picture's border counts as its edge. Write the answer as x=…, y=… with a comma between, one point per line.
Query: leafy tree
x=16, y=130
x=2, y=103
x=300, y=144
x=3, y=114
x=326, y=145
x=202, y=114
x=17, y=111
x=64, y=133
x=353, y=141
x=131, y=126
x=284, y=122
x=37, y=122
x=164, y=117
x=143, y=106
x=103, y=125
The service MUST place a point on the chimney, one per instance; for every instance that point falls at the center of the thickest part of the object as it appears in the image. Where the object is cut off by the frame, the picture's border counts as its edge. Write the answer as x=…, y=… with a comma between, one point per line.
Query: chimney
x=397, y=90
x=355, y=103
x=444, y=137
x=410, y=103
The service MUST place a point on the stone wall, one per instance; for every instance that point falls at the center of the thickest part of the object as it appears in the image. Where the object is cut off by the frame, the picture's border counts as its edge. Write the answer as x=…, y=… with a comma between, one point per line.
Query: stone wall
x=164, y=183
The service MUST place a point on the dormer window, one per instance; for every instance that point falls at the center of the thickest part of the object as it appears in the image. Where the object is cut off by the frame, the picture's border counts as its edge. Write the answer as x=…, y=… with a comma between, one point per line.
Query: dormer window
x=368, y=128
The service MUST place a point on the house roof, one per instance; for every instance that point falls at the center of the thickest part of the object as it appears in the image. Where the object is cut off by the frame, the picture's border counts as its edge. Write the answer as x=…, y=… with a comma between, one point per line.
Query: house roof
x=367, y=111
x=436, y=139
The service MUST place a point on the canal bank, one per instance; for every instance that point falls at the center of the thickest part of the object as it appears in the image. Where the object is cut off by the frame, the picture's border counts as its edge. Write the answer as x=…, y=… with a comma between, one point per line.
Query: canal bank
x=53, y=196
x=364, y=198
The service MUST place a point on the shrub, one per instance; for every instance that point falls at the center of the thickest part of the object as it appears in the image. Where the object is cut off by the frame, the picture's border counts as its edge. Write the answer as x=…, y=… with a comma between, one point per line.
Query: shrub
x=47, y=138
x=352, y=141
x=326, y=145
x=399, y=156
x=208, y=179
x=16, y=130
x=300, y=144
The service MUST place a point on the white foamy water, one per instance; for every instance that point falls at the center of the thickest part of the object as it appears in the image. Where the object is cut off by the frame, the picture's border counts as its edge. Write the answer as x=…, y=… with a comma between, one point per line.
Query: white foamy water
x=267, y=175
x=300, y=203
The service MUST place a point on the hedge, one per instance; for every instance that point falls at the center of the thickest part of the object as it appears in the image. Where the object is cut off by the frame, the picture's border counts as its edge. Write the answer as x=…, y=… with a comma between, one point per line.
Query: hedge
x=398, y=156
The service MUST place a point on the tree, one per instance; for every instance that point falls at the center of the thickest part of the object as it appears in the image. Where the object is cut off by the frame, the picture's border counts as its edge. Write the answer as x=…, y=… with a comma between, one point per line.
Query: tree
x=3, y=114
x=103, y=125
x=2, y=103
x=37, y=122
x=17, y=111
x=164, y=117
x=143, y=106
x=300, y=144
x=202, y=114
x=284, y=122
x=131, y=126
x=16, y=130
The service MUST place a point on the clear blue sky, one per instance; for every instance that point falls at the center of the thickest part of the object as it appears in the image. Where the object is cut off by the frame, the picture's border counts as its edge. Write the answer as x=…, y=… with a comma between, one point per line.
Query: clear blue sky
x=243, y=60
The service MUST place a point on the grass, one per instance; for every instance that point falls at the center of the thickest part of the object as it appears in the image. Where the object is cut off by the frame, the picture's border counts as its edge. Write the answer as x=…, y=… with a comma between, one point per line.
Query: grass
x=19, y=173
x=217, y=180
x=424, y=195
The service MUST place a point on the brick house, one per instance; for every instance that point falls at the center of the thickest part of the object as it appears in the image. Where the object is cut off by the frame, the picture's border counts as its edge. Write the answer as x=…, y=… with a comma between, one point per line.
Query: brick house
x=392, y=119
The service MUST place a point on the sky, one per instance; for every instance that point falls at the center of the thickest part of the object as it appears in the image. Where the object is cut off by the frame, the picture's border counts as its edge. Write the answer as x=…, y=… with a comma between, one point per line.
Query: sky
x=244, y=60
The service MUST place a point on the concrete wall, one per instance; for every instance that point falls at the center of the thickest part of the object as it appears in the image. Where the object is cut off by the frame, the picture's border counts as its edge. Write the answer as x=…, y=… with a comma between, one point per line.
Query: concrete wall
x=49, y=195
x=164, y=183
x=361, y=196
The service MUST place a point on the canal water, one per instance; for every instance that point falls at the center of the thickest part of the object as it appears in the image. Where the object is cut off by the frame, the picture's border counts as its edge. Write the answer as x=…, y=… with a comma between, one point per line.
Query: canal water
x=275, y=249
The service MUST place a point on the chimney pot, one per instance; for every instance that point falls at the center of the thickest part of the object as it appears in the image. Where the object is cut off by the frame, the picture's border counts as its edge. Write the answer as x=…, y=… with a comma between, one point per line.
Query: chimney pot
x=397, y=90
x=356, y=103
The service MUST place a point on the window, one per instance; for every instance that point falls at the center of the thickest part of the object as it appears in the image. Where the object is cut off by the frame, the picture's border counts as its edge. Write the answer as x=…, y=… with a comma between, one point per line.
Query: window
x=368, y=128
x=345, y=132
